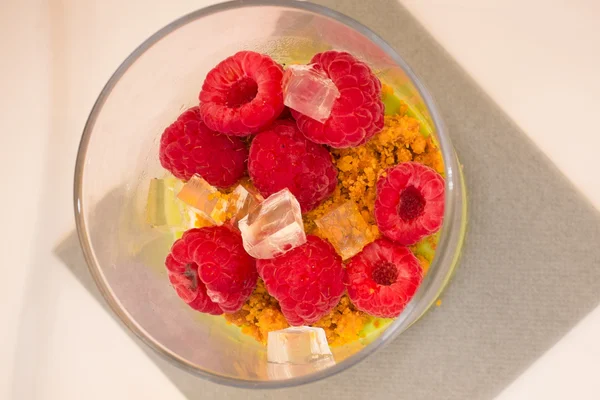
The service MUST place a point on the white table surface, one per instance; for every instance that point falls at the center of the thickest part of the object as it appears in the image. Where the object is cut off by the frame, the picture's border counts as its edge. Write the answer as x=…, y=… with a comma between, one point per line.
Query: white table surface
x=537, y=59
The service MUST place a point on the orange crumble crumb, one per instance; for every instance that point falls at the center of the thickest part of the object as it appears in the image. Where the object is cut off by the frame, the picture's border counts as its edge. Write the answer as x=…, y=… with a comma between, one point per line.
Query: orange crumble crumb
x=438, y=303
x=201, y=222
x=386, y=90
x=344, y=323
x=259, y=315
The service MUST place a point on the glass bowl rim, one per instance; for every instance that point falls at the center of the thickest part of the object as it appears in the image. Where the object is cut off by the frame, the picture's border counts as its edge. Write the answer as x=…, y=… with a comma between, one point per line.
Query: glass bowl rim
x=397, y=326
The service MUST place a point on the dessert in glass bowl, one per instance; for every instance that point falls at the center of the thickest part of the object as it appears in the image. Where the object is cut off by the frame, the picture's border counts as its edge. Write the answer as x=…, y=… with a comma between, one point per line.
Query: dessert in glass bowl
x=301, y=201
x=316, y=198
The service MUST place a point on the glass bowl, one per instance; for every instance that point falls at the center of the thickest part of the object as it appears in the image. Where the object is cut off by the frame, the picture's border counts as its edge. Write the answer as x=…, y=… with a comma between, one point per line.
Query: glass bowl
x=118, y=155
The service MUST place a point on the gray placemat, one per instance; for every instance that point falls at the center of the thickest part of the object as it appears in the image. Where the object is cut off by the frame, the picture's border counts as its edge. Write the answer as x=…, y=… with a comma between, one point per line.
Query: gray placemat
x=529, y=271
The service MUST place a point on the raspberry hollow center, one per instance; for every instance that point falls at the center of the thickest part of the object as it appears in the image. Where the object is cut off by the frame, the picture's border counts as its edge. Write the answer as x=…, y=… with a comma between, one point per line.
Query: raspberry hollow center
x=385, y=273
x=412, y=204
x=241, y=92
x=191, y=272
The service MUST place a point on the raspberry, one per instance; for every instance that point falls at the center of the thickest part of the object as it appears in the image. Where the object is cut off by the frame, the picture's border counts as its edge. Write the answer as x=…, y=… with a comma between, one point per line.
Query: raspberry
x=190, y=289
x=210, y=270
x=410, y=202
x=286, y=113
x=307, y=281
x=357, y=114
x=188, y=147
x=281, y=157
x=383, y=278
x=242, y=94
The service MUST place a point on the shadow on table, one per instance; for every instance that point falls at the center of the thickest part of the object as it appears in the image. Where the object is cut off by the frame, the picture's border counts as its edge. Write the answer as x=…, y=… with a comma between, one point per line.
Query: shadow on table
x=527, y=275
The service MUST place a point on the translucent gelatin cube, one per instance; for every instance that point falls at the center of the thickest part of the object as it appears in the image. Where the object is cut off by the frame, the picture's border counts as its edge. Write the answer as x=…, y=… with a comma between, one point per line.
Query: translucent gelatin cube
x=163, y=210
x=241, y=202
x=274, y=227
x=346, y=229
x=297, y=345
x=205, y=199
x=309, y=91
x=287, y=371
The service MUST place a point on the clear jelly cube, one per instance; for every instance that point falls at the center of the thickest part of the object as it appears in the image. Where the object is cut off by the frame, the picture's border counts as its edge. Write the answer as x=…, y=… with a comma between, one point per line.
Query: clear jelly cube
x=205, y=199
x=287, y=371
x=274, y=227
x=241, y=202
x=297, y=345
x=309, y=91
x=163, y=210
x=346, y=229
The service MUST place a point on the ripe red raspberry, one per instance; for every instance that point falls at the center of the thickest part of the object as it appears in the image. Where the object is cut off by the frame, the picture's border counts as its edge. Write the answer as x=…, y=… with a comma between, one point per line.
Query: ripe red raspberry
x=307, y=281
x=383, y=278
x=281, y=157
x=188, y=147
x=184, y=278
x=409, y=203
x=286, y=114
x=211, y=262
x=357, y=114
x=242, y=94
